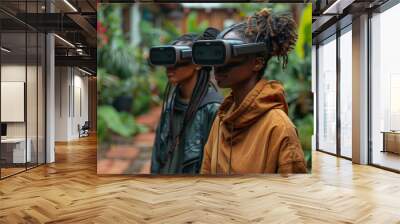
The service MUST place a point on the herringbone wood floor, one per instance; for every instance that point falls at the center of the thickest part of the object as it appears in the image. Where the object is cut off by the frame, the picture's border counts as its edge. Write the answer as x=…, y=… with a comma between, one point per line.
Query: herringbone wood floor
x=69, y=191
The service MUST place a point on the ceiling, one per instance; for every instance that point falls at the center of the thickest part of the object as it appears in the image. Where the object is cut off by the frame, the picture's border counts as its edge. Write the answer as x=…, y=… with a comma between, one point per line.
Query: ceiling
x=327, y=13
x=74, y=22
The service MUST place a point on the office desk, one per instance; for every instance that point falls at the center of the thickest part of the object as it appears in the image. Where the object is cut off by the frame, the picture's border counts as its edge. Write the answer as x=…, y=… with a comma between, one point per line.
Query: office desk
x=391, y=141
x=16, y=147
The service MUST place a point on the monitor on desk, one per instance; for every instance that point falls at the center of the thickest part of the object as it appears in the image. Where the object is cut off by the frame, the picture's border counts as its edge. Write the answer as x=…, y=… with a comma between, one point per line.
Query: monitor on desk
x=3, y=130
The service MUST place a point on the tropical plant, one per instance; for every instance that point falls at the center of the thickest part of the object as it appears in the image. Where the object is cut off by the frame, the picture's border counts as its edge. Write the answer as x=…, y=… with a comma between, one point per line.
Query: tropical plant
x=124, y=75
x=118, y=78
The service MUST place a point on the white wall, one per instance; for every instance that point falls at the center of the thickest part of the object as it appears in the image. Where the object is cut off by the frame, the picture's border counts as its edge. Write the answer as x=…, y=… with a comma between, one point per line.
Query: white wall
x=16, y=73
x=61, y=103
x=80, y=109
x=71, y=94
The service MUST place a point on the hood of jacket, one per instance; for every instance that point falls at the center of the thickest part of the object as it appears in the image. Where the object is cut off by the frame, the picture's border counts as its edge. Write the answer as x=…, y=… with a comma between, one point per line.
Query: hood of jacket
x=265, y=96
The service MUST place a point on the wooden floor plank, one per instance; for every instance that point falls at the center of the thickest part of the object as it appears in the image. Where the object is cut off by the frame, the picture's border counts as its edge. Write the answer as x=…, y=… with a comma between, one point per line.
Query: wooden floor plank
x=70, y=191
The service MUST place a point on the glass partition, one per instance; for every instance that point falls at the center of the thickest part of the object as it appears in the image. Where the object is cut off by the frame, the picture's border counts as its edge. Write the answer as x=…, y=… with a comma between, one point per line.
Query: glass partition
x=22, y=101
x=13, y=105
x=327, y=95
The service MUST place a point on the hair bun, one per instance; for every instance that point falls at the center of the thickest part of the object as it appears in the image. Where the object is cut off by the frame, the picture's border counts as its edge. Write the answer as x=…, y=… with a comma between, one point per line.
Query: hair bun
x=265, y=12
x=283, y=35
x=279, y=32
x=257, y=22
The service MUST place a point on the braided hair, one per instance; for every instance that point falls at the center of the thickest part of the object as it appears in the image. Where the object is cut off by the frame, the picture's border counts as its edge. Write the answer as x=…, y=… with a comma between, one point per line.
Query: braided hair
x=199, y=92
x=277, y=31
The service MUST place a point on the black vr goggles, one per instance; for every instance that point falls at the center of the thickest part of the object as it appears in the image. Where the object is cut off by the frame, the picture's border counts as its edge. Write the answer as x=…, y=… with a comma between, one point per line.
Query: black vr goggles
x=221, y=52
x=224, y=51
x=206, y=52
x=170, y=55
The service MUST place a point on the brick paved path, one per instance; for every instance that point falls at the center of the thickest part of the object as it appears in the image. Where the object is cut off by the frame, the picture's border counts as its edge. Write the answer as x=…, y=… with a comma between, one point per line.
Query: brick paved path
x=132, y=158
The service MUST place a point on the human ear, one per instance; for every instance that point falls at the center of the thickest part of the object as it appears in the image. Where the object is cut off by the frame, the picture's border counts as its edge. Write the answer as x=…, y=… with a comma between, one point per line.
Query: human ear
x=258, y=64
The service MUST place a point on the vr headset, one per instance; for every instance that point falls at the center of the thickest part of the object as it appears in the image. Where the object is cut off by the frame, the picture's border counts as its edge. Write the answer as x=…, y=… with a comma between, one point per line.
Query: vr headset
x=170, y=55
x=221, y=52
x=224, y=51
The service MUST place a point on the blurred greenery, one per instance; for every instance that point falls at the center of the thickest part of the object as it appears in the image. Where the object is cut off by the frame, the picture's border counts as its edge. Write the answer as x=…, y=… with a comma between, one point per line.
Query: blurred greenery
x=121, y=123
x=121, y=78
x=192, y=26
x=296, y=79
x=124, y=75
x=304, y=41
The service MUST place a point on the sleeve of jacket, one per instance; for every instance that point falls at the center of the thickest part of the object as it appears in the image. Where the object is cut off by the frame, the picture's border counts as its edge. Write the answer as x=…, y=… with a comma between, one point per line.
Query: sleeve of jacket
x=155, y=165
x=284, y=147
x=291, y=156
x=207, y=152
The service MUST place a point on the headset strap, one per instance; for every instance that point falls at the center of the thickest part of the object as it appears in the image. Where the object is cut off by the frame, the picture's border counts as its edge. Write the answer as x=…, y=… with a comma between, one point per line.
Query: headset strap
x=222, y=34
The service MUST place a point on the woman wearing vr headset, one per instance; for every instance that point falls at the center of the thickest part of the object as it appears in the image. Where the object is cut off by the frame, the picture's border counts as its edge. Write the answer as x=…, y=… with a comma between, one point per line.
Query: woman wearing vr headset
x=252, y=132
x=189, y=108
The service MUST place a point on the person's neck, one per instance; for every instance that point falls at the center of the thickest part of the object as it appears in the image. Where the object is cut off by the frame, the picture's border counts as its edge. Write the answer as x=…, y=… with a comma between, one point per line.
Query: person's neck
x=240, y=91
x=186, y=88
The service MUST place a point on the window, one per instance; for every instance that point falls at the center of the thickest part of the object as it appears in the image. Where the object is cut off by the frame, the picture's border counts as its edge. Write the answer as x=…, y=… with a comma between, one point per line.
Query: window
x=327, y=95
x=346, y=92
x=385, y=89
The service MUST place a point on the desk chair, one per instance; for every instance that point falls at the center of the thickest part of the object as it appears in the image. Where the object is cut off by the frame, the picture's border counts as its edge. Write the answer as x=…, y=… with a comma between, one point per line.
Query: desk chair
x=84, y=130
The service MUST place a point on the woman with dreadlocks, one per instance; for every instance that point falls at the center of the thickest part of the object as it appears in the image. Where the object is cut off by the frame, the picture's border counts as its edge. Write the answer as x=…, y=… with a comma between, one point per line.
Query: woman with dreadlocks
x=252, y=132
x=189, y=108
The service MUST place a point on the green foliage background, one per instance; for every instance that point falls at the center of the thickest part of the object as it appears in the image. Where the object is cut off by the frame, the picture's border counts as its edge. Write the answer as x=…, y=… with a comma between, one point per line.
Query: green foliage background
x=123, y=69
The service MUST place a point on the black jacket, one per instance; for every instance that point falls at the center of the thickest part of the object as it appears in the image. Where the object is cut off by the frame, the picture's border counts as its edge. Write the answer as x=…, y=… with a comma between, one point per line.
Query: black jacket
x=194, y=138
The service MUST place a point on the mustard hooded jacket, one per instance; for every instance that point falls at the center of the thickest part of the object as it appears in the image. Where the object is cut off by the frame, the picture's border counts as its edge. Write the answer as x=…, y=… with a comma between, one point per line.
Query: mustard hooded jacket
x=255, y=137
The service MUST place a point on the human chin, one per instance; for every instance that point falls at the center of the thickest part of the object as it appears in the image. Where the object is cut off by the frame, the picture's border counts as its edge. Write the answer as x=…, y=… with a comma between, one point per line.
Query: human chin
x=172, y=79
x=223, y=83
